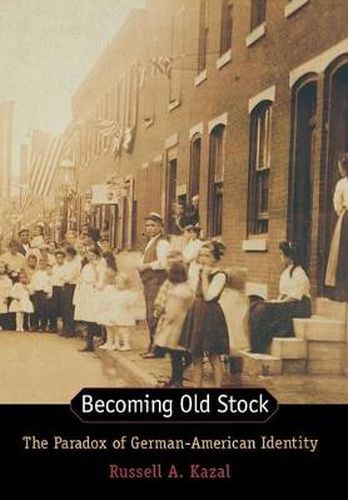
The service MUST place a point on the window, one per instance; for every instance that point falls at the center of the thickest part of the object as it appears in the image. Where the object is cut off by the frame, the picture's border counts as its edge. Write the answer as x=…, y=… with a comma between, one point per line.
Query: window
x=195, y=165
x=203, y=36
x=176, y=53
x=216, y=180
x=258, y=13
x=260, y=162
x=226, y=26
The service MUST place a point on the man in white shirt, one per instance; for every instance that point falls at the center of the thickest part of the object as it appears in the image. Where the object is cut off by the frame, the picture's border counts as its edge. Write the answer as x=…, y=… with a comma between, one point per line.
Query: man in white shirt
x=152, y=270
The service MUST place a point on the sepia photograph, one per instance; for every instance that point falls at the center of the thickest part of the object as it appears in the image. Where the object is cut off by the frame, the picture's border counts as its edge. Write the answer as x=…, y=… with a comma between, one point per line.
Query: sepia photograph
x=174, y=197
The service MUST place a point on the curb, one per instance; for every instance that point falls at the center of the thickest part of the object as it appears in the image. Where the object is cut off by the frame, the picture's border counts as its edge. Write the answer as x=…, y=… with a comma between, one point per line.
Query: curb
x=126, y=369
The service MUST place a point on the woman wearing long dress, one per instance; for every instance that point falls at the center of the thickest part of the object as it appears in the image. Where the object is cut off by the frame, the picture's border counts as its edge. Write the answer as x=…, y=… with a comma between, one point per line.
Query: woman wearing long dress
x=274, y=318
x=337, y=268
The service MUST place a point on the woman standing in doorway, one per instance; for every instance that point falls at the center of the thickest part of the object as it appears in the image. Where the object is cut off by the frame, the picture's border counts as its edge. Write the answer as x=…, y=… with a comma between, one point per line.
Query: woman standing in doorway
x=337, y=268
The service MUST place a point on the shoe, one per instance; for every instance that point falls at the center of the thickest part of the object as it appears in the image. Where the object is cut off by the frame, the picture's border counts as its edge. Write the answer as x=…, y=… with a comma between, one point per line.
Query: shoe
x=148, y=355
x=114, y=347
x=105, y=347
x=87, y=349
x=126, y=347
x=170, y=385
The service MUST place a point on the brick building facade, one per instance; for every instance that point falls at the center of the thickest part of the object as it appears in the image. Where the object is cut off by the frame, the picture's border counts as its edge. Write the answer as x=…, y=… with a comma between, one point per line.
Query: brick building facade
x=242, y=101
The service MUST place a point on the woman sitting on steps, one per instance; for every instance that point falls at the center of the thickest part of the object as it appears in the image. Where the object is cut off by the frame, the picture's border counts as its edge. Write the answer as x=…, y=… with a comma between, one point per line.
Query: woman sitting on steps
x=274, y=318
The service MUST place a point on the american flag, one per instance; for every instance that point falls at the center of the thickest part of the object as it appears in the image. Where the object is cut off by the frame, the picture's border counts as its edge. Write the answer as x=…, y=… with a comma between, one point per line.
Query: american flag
x=43, y=167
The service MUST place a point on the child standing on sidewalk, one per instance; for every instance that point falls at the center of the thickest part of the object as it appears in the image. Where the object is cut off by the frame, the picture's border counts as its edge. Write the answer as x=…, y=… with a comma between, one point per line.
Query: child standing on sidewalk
x=21, y=303
x=205, y=329
x=172, y=303
x=41, y=291
x=116, y=311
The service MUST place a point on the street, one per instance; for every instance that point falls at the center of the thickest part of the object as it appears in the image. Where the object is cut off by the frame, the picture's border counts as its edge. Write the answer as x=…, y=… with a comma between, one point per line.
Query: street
x=45, y=368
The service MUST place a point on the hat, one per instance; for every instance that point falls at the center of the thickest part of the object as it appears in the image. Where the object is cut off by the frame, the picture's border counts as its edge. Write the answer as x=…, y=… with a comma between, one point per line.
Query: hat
x=154, y=217
x=44, y=246
x=24, y=230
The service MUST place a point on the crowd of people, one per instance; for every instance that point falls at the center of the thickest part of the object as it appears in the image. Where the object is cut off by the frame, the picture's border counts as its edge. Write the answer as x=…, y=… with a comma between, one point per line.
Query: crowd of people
x=194, y=307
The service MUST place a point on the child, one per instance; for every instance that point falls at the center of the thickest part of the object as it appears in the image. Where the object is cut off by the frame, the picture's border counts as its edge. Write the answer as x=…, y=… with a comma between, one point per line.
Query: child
x=205, y=329
x=116, y=311
x=5, y=291
x=31, y=265
x=86, y=296
x=41, y=291
x=21, y=302
x=172, y=303
x=58, y=277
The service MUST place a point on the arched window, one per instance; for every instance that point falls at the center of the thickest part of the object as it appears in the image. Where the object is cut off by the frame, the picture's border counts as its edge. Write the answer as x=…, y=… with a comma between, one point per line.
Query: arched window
x=216, y=180
x=195, y=165
x=259, y=167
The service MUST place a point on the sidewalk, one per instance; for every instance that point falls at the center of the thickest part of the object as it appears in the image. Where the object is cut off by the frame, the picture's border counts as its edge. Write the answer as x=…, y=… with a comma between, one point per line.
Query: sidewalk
x=149, y=373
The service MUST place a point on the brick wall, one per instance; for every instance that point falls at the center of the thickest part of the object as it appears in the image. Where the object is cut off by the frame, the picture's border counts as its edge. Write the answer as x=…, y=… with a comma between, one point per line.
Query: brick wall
x=287, y=43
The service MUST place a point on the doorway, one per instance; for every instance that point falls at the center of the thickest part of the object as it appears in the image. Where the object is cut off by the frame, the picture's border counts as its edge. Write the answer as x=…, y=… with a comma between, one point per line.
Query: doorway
x=171, y=194
x=303, y=147
x=335, y=142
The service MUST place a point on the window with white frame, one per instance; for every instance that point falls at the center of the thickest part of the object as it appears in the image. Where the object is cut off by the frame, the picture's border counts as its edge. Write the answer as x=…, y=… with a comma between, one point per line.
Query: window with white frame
x=258, y=13
x=216, y=180
x=259, y=167
x=226, y=26
x=203, y=36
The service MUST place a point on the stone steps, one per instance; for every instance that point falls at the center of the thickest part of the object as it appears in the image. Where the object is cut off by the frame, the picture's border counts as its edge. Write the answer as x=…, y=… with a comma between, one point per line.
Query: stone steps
x=320, y=346
x=319, y=328
x=331, y=309
x=261, y=364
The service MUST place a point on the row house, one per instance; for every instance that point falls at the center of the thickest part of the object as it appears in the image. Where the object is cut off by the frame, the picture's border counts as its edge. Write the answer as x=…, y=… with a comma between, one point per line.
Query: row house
x=243, y=102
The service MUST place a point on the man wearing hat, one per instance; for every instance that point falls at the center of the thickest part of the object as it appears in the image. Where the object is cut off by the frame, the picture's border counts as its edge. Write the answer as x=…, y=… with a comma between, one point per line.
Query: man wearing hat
x=152, y=270
x=24, y=242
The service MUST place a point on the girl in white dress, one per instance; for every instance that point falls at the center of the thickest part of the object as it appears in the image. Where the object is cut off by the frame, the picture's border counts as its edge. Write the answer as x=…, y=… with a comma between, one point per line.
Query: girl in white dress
x=86, y=295
x=21, y=302
x=5, y=291
x=337, y=268
x=116, y=311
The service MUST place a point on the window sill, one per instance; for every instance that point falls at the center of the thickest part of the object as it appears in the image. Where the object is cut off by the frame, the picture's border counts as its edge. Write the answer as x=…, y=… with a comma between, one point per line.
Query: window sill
x=148, y=123
x=256, y=34
x=255, y=245
x=224, y=59
x=173, y=105
x=200, y=78
x=293, y=7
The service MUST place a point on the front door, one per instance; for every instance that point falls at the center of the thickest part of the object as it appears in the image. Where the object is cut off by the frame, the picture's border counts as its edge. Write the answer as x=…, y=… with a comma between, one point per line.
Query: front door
x=304, y=141
x=171, y=194
x=336, y=141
